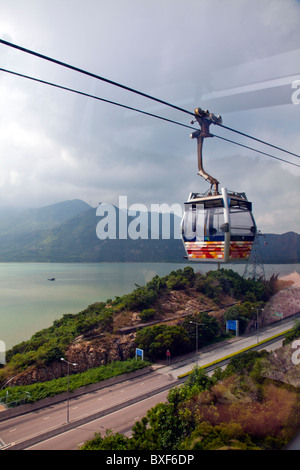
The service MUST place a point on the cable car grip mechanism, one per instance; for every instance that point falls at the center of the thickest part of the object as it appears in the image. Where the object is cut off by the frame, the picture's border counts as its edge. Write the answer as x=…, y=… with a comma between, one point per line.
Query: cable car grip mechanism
x=205, y=119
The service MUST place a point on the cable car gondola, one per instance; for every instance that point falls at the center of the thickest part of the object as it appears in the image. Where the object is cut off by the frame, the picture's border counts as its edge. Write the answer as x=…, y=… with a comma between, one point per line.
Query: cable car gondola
x=219, y=226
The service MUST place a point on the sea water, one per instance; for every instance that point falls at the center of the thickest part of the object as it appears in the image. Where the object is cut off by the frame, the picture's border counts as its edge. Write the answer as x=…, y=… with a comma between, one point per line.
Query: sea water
x=30, y=302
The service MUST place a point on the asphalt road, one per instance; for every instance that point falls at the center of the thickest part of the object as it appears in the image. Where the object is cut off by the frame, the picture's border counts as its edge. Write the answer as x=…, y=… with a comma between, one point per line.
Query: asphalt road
x=24, y=427
x=119, y=421
x=29, y=425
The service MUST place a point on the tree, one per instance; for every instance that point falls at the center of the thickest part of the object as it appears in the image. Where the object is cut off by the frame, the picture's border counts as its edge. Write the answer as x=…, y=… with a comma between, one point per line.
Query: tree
x=157, y=339
x=147, y=314
x=208, y=328
x=110, y=441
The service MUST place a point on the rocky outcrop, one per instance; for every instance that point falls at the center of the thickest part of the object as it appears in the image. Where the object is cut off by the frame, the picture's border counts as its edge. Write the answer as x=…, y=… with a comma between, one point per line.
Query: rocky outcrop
x=86, y=354
x=280, y=366
x=98, y=352
x=282, y=305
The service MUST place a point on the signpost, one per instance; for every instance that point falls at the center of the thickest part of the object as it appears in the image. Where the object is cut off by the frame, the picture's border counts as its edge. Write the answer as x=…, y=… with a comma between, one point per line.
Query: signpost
x=139, y=353
x=277, y=314
x=233, y=325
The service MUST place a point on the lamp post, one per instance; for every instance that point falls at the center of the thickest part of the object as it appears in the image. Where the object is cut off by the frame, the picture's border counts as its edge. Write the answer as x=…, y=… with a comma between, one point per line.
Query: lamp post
x=68, y=364
x=257, y=327
x=197, y=324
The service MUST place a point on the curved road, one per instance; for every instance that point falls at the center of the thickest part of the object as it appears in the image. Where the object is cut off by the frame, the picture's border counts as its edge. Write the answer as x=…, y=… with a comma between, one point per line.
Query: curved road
x=133, y=398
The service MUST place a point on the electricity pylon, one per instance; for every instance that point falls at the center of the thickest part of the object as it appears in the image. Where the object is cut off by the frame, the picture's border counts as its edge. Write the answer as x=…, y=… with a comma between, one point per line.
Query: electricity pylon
x=255, y=267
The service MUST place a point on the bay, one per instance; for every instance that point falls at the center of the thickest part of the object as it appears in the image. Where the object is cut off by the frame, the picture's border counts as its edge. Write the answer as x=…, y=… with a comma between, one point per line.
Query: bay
x=30, y=302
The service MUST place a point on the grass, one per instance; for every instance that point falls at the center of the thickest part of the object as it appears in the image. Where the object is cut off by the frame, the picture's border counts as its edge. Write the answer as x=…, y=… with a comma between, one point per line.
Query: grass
x=38, y=391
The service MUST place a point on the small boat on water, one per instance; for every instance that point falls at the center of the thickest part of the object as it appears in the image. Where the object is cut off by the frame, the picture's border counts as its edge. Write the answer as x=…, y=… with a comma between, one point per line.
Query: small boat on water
x=51, y=278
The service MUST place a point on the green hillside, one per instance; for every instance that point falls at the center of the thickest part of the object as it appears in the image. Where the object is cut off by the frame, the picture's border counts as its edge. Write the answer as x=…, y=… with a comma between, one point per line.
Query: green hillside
x=75, y=240
x=18, y=222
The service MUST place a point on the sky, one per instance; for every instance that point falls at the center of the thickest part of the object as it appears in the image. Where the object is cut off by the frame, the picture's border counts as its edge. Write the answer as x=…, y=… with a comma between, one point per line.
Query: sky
x=237, y=58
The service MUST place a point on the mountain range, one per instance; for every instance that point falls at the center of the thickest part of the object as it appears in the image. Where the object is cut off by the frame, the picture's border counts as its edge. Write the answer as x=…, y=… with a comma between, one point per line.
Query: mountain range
x=66, y=232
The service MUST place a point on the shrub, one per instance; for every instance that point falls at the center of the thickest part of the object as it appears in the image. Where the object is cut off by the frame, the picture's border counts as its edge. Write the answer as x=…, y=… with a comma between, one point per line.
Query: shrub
x=147, y=314
x=156, y=340
x=208, y=328
x=181, y=279
x=293, y=334
x=244, y=312
x=245, y=362
x=176, y=282
x=110, y=441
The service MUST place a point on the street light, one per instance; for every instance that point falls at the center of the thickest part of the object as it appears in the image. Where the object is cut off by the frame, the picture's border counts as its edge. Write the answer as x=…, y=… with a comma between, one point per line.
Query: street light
x=72, y=364
x=197, y=324
x=257, y=326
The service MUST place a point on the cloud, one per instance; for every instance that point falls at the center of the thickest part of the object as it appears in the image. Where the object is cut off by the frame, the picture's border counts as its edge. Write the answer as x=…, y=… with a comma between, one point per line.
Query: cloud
x=56, y=145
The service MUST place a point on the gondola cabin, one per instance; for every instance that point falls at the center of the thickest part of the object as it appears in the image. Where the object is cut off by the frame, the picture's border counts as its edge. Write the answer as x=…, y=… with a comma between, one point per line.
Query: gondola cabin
x=218, y=228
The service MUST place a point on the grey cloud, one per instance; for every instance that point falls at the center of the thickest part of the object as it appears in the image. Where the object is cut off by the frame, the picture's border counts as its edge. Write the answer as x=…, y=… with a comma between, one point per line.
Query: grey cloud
x=55, y=145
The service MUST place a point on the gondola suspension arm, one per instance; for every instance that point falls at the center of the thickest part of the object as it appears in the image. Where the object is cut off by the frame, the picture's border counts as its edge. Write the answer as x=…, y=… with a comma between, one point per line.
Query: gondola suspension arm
x=205, y=119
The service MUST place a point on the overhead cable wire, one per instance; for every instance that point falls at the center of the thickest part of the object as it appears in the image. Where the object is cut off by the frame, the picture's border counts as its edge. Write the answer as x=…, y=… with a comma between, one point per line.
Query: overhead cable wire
x=38, y=80
x=94, y=97
x=93, y=75
x=133, y=90
x=255, y=150
x=258, y=140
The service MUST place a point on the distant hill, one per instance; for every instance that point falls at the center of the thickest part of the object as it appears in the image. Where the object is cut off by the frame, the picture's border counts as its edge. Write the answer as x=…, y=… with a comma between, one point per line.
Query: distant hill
x=39, y=236
x=283, y=248
x=30, y=220
x=66, y=232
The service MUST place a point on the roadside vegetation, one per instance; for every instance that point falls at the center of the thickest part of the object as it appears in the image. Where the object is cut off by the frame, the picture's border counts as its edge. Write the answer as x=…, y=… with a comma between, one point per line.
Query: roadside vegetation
x=294, y=333
x=37, y=391
x=235, y=409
